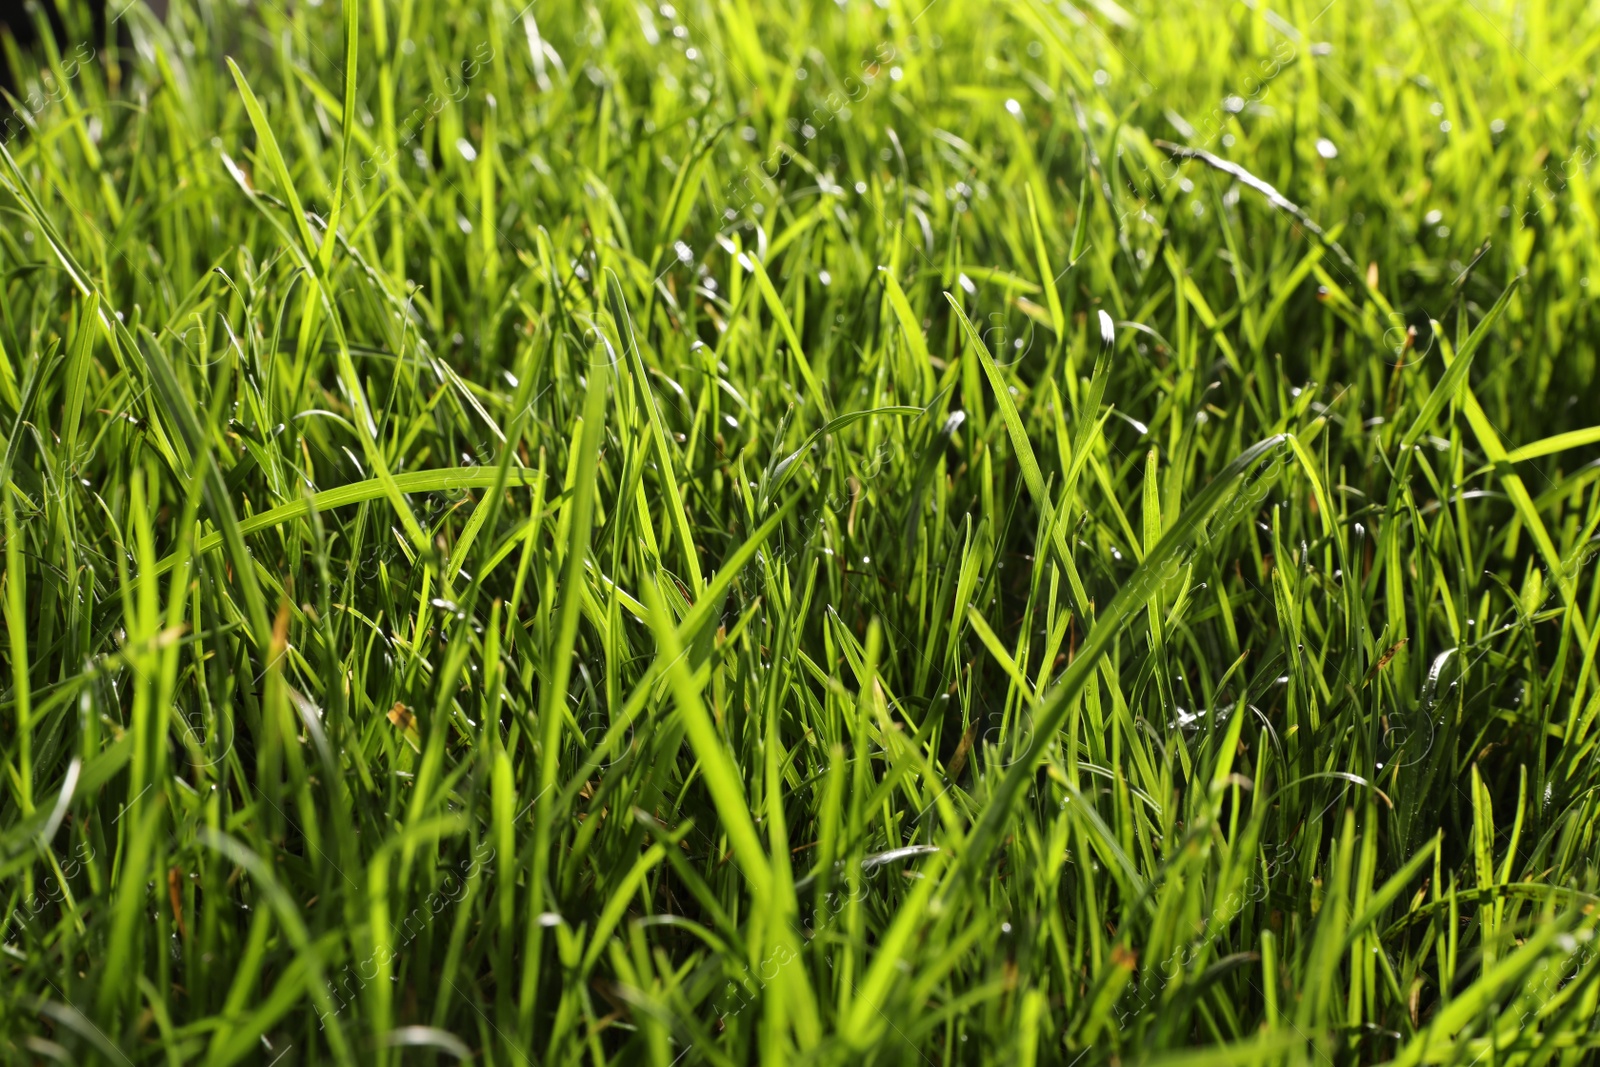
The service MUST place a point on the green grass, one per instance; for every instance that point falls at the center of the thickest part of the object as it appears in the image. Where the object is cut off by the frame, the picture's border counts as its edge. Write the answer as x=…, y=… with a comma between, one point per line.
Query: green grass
x=825, y=533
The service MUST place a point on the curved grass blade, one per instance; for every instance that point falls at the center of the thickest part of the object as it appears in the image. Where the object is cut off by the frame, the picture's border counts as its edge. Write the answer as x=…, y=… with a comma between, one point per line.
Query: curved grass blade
x=1550, y=446
x=1455, y=373
x=1160, y=565
x=446, y=480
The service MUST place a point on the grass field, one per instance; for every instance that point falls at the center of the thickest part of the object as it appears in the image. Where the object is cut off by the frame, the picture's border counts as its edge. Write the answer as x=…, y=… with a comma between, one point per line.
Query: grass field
x=824, y=532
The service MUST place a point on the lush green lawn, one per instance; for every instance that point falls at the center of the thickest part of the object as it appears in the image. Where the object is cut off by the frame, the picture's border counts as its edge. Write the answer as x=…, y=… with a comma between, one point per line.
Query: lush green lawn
x=816, y=532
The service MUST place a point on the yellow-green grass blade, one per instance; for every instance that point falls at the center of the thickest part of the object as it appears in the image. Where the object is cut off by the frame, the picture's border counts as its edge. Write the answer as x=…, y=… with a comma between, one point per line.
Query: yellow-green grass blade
x=658, y=433
x=1517, y=490
x=1164, y=562
x=796, y=351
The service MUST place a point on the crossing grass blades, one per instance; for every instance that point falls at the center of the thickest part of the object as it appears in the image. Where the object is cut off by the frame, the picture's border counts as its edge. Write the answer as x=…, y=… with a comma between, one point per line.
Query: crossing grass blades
x=817, y=533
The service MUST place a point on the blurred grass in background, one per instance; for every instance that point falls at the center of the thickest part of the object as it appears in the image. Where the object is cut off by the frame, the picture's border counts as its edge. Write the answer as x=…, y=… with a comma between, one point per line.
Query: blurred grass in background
x=830, y=532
